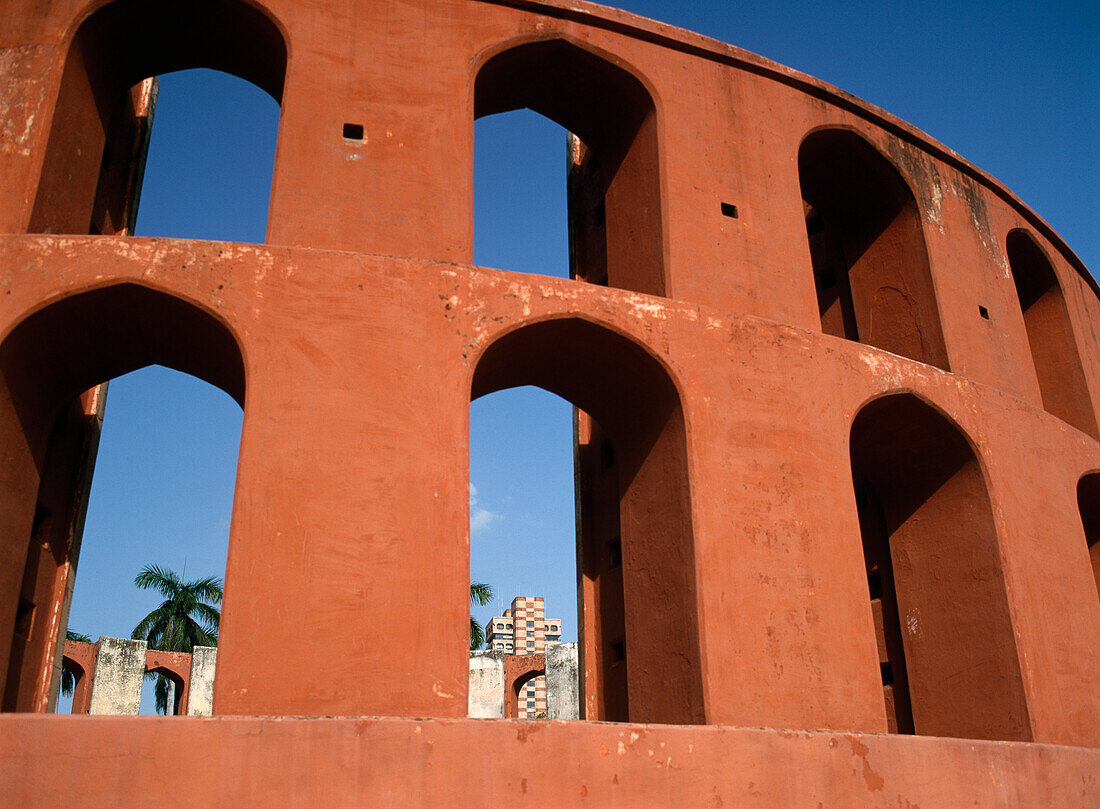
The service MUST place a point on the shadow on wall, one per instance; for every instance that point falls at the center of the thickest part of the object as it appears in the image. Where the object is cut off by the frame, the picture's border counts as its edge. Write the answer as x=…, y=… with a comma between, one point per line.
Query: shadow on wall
x=614, y=189
x=50, y=365
x=929, y=542
x=635, y=542
x=869, y=258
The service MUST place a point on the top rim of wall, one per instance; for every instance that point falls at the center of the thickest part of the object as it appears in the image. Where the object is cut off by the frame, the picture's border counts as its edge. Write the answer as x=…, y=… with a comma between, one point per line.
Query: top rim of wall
x=700, y=45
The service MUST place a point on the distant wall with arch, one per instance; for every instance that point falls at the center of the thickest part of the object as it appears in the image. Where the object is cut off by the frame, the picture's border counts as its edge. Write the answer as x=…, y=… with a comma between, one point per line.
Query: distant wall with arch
x=111, y=684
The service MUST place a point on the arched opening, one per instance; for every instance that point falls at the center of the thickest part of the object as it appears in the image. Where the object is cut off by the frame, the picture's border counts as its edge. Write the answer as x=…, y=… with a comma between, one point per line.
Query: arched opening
x=1088, y=500
x=869, y=258
x=638, y=619
x=613, y=164
x=164, y=692
x=528, y=696
x=520, y=221
x=75, y=694
x=947, y=651
x=1050, y=334
x=51, y=365
x=92, y=174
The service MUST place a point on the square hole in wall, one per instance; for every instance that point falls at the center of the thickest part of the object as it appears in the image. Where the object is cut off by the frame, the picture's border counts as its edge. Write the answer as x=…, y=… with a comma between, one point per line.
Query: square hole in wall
x=729, y=210
x=353, y=131
x=983, y=312
x=618, y=651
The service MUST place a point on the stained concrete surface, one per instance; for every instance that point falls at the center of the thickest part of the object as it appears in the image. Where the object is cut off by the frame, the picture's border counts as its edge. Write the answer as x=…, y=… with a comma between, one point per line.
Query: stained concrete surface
x=119, y=670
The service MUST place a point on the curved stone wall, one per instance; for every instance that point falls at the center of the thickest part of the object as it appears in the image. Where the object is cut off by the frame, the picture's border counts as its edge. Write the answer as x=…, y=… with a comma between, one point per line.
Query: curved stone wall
x=765, y=304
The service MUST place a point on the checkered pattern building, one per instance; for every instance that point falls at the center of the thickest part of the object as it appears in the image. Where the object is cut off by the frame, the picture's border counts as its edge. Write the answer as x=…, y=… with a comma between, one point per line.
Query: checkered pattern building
x=525, y=629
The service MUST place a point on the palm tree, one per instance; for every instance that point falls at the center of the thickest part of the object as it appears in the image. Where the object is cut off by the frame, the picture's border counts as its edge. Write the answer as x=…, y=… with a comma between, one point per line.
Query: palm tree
x=68, y=682
x=183, y=621
x=480, y=594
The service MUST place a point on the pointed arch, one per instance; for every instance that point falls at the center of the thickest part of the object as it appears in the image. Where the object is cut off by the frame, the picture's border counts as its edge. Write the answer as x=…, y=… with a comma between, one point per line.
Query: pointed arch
x=51, y=365
x=1088, y=501
x=641, y=656
x=614, y=185
x=870, y=262
x=1050, y=333
x=91, y=175
x=947, y=649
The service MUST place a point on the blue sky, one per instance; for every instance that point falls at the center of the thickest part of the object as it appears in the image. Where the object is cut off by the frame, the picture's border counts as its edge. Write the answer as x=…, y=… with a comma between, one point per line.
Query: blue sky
x=1010, y=86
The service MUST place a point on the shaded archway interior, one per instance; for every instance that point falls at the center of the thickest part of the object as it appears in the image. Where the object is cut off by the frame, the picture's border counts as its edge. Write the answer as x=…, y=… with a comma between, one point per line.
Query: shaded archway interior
x=614, y=175
x=636, y=570
x=177, y=694
x=512, y=696
x=1058, y=365
x=95, y=154
x=81, y=696
x=1088, y=500
x=51, y=410
x=947, y=651
x=870, y=261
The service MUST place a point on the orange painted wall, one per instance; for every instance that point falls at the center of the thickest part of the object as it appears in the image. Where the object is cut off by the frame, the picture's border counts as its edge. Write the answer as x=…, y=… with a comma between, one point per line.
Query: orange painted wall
x=353, y=339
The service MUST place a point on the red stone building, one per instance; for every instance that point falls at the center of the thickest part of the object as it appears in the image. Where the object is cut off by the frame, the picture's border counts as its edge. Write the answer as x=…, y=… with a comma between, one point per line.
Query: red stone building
x=838, y=398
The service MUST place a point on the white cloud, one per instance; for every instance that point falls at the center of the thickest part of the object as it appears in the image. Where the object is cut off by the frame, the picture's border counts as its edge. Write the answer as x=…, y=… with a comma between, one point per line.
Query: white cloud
x=480, y=518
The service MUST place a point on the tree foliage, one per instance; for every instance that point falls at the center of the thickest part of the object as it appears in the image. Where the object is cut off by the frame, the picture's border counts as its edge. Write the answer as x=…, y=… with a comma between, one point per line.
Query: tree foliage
x=480, y=594
x=185, y=619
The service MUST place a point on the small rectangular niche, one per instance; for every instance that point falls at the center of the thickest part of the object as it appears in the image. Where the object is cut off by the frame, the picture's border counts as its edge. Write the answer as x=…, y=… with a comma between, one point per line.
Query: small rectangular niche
x=353, y=131
x=729, y=210
x=874, y=585
x=887, y=673
x=618, y=651
x=615, y=553
x=983, y=312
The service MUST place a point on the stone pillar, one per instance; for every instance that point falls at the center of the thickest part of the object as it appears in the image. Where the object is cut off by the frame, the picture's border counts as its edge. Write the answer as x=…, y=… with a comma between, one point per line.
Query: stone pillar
x=486, y=695
x=562, y=682
x=119, y=669
x=200, y=700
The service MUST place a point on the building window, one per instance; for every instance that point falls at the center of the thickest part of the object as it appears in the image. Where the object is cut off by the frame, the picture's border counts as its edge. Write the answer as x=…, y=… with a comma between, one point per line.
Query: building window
x=500, y=626
x=530, y=624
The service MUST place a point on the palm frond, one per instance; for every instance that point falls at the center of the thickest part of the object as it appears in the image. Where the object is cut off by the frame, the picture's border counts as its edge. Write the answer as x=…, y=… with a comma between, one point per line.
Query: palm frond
x=155, y=578
x=68, y=683
x=184, y=619
x=481, y=593
x=160, y=691
x=208, y=589
x=477, y=634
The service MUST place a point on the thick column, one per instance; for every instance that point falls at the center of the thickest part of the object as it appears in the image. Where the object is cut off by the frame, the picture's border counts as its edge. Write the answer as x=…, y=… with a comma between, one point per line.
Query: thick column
x=119, y=669
x=562, y=679
x=486, y=695
x=200, y=699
